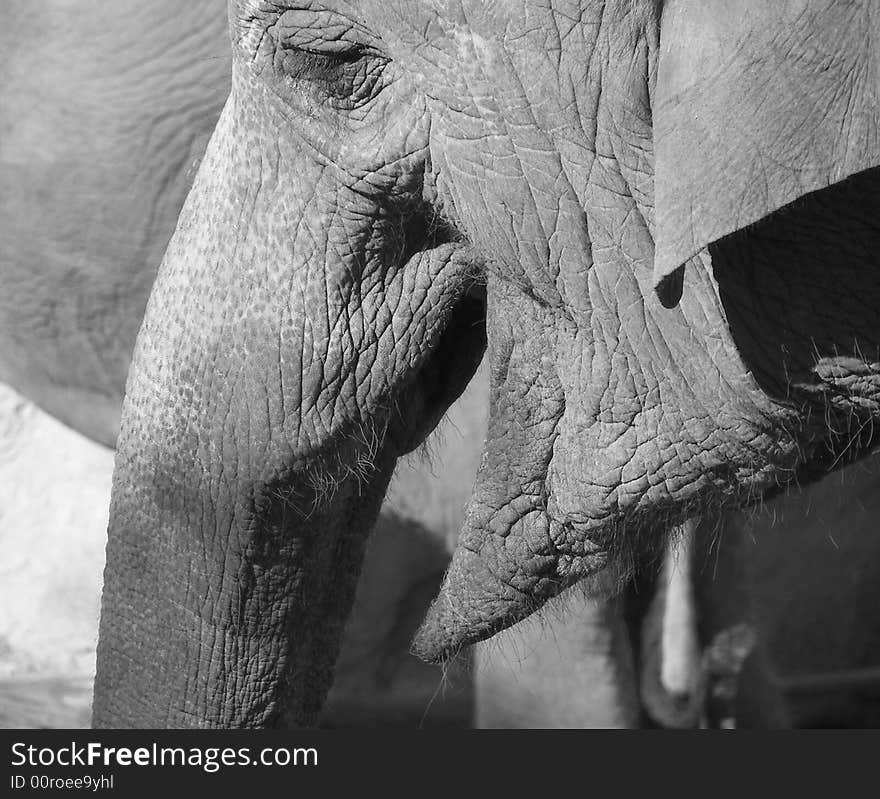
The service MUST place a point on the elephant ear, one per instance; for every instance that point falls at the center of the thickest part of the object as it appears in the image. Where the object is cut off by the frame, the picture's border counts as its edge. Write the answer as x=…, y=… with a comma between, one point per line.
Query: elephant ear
x=757, y=103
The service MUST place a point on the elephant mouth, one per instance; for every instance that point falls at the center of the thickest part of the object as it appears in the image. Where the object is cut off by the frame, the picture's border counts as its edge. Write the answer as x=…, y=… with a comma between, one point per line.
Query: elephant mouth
x=445, y=373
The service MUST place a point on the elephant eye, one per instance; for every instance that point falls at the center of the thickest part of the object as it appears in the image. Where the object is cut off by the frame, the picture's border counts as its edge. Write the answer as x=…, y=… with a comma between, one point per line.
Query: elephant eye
x=330, y=56
x=350, y=75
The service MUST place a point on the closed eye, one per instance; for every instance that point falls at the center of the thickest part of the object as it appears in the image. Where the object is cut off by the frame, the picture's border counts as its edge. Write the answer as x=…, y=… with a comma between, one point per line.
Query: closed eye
x=317, y=53
x=300, y=62
x=344, y=74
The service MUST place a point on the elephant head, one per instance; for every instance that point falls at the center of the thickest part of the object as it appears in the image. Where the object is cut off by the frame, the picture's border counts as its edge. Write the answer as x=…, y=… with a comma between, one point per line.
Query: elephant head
x=656, y=213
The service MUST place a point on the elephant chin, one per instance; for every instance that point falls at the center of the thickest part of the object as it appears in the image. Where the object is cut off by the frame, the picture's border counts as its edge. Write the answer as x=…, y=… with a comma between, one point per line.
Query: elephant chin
x=487, y=590
x=472, y=606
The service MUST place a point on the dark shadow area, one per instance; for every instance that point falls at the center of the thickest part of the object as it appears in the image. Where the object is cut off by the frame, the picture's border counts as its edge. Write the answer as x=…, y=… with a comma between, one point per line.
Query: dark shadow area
x=801, y=290
x=379, y=683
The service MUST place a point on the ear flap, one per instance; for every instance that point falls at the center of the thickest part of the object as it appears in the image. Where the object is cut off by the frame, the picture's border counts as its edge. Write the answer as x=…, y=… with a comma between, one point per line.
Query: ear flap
x=757, y=103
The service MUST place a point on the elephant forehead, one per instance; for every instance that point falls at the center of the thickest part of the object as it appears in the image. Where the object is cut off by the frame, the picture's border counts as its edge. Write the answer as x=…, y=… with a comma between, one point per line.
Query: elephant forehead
x=416, y=13
x=471, y=35
x=494, y=69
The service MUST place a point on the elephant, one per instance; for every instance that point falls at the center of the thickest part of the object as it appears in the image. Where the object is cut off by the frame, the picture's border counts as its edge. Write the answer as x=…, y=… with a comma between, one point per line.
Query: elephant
x=654, y=217
x=96, y=157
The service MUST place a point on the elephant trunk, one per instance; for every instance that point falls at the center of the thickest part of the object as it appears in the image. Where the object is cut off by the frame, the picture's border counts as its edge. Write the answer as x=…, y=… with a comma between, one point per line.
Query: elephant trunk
x=251, y=659
x=302, y=333
x=225, y=592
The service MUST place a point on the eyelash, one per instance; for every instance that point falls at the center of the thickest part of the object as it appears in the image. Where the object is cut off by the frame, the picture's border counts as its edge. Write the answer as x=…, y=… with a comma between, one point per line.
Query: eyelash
x=335, y=74
x=332, y=60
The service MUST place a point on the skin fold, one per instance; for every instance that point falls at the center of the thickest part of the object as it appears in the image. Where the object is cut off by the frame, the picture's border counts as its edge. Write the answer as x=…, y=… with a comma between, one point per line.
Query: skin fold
x=391, y=188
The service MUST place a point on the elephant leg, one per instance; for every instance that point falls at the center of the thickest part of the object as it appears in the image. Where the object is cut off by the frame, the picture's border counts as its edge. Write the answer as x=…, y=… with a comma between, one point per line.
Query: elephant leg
x=570, y=667
x=378, y=681
x=702, y=658
x=576, y=665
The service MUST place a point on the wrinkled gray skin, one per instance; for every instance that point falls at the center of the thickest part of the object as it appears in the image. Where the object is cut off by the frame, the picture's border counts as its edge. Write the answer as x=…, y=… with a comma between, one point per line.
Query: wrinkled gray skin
x=320, y=305
x=99, y=139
